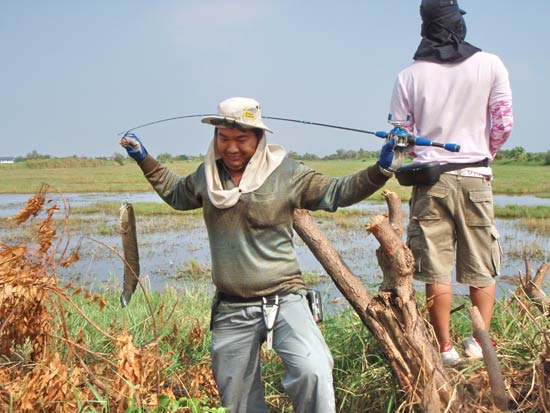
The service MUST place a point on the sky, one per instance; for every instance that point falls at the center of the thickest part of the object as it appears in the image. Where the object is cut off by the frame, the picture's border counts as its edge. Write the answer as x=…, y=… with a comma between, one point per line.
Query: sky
x=76, y=73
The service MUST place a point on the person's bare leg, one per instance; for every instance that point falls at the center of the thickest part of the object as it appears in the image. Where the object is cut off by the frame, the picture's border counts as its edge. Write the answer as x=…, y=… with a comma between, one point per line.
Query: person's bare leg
x=484, y=299
x=441, y=297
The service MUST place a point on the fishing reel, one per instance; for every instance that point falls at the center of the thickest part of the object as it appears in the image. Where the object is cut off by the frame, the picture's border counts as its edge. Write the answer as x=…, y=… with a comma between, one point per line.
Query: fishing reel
x=403, y=138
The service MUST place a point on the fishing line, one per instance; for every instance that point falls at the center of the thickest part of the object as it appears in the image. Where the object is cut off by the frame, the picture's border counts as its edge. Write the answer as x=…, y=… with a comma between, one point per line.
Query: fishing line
x=163, y=120
x=305, y=122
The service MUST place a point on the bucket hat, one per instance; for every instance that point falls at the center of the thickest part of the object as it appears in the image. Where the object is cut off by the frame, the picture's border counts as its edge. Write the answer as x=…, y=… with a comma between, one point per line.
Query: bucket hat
x=239, y=112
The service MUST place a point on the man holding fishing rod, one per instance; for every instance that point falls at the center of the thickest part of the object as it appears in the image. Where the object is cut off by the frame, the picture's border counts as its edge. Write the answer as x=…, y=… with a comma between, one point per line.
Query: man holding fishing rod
x=454, y=92
x=248, y=190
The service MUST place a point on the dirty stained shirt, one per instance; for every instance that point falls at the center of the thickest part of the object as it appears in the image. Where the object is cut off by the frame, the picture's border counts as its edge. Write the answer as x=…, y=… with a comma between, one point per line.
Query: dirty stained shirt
x=251, y=243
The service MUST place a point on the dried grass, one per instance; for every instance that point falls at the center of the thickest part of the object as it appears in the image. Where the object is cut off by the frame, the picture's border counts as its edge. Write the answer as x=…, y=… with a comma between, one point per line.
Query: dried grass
x=43, y=372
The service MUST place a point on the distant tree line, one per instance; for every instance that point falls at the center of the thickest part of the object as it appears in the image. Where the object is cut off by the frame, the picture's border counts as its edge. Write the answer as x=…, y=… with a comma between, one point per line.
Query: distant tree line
x=516, y=154
x=339, y=154
x=167, y=157
x=33, y=155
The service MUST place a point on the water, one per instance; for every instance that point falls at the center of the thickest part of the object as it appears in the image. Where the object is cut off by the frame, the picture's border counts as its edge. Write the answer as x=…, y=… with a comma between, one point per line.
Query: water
x=521, y=200
x=11, y=203
x=163, y=255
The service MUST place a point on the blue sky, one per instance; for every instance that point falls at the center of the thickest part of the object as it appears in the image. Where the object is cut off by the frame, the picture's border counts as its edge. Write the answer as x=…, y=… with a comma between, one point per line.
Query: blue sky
x=75, y=73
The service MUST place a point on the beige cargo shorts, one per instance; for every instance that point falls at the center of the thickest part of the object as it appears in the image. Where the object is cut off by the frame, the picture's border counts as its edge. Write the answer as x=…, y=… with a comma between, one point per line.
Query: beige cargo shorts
x=454, y=218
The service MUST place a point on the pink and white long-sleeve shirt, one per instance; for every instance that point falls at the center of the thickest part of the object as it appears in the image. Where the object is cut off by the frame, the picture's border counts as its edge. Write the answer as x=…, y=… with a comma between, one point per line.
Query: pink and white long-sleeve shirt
x=469, y=103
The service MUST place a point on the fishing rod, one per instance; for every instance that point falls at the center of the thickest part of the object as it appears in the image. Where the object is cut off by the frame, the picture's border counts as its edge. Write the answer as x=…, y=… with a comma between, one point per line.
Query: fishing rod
x=326, y=125
x=402, y=137
x=163, y=120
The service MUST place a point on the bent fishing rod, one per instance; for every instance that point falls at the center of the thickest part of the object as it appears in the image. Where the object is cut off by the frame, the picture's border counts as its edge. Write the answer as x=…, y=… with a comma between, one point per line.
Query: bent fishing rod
x=402, y=137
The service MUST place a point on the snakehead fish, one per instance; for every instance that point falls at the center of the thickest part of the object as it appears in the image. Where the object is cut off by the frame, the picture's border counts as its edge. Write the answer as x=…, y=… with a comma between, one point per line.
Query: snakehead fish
x=130, y=250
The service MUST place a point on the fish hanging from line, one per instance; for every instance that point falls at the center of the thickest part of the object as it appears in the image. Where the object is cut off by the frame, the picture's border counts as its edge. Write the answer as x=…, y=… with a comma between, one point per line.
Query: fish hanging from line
x=130, y=252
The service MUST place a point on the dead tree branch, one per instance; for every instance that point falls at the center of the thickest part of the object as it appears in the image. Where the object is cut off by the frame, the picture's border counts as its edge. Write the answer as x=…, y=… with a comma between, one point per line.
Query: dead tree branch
x=392, y=315
x=496, y=380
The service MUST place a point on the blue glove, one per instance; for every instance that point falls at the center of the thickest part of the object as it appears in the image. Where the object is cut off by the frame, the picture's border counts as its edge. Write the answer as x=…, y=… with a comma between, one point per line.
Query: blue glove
x=391, y=158
x=134, y=147
x=386, y=155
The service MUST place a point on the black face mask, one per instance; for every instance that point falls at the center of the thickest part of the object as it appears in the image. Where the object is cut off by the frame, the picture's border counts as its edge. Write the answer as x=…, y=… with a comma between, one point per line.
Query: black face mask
x=443, y=33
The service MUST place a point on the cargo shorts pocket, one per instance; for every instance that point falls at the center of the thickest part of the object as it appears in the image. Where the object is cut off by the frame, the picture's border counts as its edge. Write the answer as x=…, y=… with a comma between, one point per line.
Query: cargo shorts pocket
x=415, y=244
x=479, y=208
x=428, y=202
x=496, y=251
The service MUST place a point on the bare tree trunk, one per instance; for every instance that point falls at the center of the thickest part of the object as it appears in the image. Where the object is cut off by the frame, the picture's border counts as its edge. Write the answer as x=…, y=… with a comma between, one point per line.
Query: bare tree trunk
x=392, y=315
x=496, y=380
x=349, y=285
x=532, y=287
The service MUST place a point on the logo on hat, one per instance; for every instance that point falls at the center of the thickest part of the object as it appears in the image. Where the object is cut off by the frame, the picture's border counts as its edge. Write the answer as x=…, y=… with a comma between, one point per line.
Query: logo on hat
x=249, y=115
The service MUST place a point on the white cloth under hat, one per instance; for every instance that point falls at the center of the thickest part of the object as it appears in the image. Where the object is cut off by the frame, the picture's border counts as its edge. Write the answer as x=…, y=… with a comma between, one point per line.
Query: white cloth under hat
x=246, y=113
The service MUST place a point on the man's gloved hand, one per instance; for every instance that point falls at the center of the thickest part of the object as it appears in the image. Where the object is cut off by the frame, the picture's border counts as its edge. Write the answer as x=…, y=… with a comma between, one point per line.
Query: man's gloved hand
x=133, y=146
x=391, y=158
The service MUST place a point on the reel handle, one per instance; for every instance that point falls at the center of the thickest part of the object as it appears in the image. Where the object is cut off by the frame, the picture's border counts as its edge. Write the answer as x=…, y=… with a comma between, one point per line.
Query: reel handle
x=451, y=147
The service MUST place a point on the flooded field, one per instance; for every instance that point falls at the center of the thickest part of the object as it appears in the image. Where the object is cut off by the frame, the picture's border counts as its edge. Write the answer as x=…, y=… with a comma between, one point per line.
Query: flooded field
x=174, y=249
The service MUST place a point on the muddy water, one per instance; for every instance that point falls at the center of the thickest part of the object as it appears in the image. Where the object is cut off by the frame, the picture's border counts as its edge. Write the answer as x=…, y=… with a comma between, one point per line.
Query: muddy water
x=11, y=203
x=165, y=255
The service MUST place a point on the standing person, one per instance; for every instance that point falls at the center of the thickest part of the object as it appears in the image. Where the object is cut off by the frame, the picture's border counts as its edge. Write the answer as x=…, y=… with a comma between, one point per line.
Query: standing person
x=453, y=92
x=248, y=191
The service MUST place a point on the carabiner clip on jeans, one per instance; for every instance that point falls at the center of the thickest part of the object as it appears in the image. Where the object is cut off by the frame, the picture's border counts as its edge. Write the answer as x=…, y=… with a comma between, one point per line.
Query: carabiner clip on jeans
x=270, y=310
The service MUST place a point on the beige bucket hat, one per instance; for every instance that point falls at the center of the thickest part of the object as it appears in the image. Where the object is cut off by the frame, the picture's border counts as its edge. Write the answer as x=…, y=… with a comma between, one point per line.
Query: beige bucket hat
x=238, y=112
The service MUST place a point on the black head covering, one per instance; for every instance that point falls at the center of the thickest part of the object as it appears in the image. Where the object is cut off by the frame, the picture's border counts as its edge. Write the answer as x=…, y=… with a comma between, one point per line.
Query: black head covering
x=443, y=32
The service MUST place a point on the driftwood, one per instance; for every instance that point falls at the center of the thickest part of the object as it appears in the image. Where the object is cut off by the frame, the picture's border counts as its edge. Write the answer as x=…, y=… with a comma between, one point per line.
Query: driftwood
x=496, y=380
x=532, y=286
x=392, y=314
x=349, y=285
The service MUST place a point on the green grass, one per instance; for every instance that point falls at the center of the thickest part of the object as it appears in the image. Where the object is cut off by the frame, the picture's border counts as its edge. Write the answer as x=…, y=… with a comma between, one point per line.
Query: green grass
x=111, y=178
x=519, y=211
x=362, y=377
x=510, y=178
x=535, y=219
x=363, y=380
x=189, y=307
x=140, y=208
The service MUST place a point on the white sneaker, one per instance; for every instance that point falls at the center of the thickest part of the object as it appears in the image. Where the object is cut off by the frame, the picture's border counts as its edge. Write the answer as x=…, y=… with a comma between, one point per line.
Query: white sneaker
x=450, y=357
x=472, y=348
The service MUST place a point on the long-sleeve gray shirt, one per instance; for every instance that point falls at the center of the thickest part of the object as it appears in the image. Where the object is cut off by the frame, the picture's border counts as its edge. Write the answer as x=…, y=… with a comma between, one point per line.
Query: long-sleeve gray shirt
x=251, y=243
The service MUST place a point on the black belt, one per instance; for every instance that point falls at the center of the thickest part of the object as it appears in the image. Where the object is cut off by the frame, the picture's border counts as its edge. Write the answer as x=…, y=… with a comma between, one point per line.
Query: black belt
x=456, y=166
x=243, y=300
